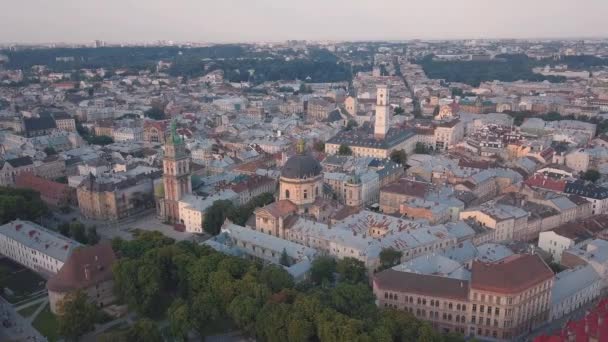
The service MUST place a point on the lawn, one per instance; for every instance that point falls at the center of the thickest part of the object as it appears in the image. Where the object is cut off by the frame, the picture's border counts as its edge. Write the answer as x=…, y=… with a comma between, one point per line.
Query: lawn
x=20, y=280
x=46, y=324
x=29, y=310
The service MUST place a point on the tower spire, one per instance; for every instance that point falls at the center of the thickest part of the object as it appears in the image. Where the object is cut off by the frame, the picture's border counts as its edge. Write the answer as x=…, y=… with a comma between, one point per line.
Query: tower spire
x=301, y=146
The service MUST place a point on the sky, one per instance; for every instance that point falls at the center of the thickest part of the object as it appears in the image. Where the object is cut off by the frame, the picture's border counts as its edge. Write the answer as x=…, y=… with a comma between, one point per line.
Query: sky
x=82, y=21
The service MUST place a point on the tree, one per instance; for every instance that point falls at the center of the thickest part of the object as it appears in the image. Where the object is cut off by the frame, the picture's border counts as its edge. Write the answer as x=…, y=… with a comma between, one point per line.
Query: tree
x=351, y=270
x=205, y=309
x=101, y=140
x=284, y=258
x=351, y=124
x=156, y=113
x=389, y=257
x=322, y=270
x=399, y=156
x=92, y=236
x=216, y=215
x=319, y=146
x=591, y=175
x=77, y=232
x=179, y=321
x=77, y=316
x=344, y=150
x=399, y=111
x=276, y=278
x=50, y=151
x=144, y=330
x=355, y=300
x=24, y=204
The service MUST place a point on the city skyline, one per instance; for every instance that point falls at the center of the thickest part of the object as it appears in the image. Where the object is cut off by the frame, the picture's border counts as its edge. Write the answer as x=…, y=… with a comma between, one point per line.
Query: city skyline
x=270, y=20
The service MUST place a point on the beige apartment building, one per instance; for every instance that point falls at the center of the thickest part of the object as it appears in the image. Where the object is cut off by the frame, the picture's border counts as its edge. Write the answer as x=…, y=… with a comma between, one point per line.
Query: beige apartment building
x=497, y=301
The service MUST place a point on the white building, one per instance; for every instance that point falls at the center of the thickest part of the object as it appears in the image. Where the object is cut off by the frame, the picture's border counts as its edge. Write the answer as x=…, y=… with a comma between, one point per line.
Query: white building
x=35, y=247
x=574, y=288
x=555, y=242
x=128, y=134
x=241, y=241
x=364, y=235
x=192, y=209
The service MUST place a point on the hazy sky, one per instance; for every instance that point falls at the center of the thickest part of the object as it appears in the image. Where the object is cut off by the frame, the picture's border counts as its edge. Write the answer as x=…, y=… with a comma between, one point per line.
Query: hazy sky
x=273, y=20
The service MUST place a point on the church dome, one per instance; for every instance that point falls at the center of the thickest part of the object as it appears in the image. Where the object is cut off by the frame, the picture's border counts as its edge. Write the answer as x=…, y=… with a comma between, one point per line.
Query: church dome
x=301, y=166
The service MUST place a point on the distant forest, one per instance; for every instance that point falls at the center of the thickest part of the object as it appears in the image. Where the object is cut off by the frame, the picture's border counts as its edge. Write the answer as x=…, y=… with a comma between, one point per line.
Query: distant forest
x=238, y=62
x=507, y=68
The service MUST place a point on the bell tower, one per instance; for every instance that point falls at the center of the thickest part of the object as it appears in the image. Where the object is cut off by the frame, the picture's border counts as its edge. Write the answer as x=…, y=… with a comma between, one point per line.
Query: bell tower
x=176, y=176
x=383, y=114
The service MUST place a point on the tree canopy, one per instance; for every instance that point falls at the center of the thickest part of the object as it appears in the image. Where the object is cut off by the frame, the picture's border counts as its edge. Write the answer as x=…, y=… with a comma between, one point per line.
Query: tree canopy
x=22, y=204
x=344, y=150
x=77, y=316
x=221, y=210
x=197, y=288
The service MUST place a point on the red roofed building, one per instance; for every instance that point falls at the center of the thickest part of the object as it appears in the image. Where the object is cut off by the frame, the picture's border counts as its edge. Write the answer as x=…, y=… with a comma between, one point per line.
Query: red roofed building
x=500, y=301
x=52, y=193
x=511, y=297
x=155, y=131
x=593, y=327
x=253, y=186
x=542, y=181
x=87, y=269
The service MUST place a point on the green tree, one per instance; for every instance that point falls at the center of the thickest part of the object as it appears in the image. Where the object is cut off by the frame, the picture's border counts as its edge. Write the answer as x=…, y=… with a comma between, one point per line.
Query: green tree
x=179, y=320
x=351, y=124
x=276, y=278
x=399, y=156
x=205, y=309
x=77, y=232
x=389, y=257
x=243, y=310
x=344, y=150
x=92, y=236
x=399, y=111
x=50, y=151
x=101, y=140
x=591, y=175
x=319, y=146
x=156, y=113
x=351, y=270
x=284, y=258
x=24, y=204
x=322, y=270
x=144, y=330
x=216, y=214
x=77, y=316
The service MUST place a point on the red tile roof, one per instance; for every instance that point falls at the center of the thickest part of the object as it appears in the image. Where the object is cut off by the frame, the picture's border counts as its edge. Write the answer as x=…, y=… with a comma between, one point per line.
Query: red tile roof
x=407, y=187
x=280, y=208
x=50, y=191
x=542, y=181
x=592, y=327
x=422, y=284
x=85, y=267
x=513, y=274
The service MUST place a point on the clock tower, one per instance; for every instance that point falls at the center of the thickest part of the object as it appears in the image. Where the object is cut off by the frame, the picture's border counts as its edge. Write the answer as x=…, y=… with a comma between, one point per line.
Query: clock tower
x=176, y=177
x=383, y=113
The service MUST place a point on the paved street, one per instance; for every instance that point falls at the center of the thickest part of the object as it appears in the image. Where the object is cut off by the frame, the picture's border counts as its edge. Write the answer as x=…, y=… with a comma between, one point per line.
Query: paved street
x=17, y=328
x=146, y=220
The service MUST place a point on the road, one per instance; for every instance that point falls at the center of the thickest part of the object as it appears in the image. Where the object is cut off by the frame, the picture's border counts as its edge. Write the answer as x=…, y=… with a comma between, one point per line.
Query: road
x=20, y=328
x=145, y=220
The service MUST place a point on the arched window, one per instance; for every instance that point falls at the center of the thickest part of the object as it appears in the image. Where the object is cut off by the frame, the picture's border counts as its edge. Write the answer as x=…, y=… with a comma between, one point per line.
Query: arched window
x=305, y=194
x=286, y=193
x=317, y=191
